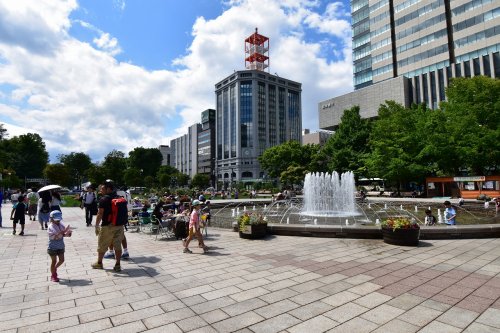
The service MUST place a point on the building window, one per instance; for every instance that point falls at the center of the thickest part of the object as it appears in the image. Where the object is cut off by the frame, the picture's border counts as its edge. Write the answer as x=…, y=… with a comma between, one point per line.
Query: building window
x=219, y=125
x=261, y=116
x=476, y=66
x=294, y=114
x=246, y=174
x=486, y=65
x=232, y=108
x=426, y=89
x=441, y=84
x=272, y=115
x=246, y=116
x=496, y=63
x=467, y=68
x=225, y=108
x=281, y=115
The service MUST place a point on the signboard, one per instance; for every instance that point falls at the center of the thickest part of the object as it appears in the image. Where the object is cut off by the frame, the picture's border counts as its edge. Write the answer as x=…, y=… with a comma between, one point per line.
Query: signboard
x=470, y=179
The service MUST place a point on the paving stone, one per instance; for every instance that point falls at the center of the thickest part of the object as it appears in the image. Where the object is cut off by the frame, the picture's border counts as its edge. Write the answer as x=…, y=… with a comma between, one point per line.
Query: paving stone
x=237, y=322
x=458, y=317
x=191, y=323
x=168, y=318
x=309, y=297
x=480, y=328
x=316, y=324
x=136, y=326
x=93, y=326
x=276, y=308
x=310, y=310
x=420, y=315
x=372, y=300
x=490, y=317
x=214, y=316
x=245, y=306
x=345, y=312
x=340, y=298
x=50, y=325
x=440, y=327
x=136, y=315
x=275, y=324
x=406, y=301
x=358, y=325
x=397, y=326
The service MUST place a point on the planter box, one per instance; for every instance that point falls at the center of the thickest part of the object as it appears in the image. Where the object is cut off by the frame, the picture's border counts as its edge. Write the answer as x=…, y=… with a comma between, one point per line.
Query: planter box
x=404, y=237
x=254, y=231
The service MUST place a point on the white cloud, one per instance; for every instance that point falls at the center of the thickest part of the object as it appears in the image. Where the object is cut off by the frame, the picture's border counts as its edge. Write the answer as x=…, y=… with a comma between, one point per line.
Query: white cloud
x=108, y=44
x=78, y=97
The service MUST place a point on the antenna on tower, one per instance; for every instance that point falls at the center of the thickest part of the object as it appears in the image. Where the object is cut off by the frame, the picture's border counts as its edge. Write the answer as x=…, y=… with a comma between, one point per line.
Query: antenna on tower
x=256, y=52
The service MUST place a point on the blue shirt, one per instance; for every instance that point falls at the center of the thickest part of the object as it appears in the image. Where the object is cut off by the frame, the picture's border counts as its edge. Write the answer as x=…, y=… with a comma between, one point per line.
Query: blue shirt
x=449, y=212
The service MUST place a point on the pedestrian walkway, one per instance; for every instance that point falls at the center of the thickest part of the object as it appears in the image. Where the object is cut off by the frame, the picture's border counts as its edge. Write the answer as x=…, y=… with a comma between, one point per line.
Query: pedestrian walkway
x=279, y=284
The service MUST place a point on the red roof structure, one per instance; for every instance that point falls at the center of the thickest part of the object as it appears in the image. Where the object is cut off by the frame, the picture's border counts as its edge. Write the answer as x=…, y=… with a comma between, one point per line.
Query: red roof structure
x=256, y=50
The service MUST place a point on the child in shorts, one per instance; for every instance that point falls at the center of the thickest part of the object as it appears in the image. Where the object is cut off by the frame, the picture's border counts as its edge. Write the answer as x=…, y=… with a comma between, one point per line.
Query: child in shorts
x=17, y=215
x=57, y=231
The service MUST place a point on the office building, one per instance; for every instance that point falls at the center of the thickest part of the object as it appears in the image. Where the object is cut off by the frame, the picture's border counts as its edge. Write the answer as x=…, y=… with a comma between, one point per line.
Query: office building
x=183, y=151
x=408, y=50
x=206, y=145
x=165, y=153
x=255, y=110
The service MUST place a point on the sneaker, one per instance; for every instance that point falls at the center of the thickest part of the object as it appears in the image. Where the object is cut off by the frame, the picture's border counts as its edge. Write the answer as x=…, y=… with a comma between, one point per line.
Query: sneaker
x=54, y=278
x=21, y=233
x=97, y=265
x=184, y=242
x=117, y=268
x=205, y=249
x=186, y=250
x=46, y=226
x=125, y=255
x=14, y=232
x=109, y=255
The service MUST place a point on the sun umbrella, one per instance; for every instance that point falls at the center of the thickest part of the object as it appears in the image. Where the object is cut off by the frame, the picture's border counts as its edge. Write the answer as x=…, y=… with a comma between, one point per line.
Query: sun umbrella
x=48, y=187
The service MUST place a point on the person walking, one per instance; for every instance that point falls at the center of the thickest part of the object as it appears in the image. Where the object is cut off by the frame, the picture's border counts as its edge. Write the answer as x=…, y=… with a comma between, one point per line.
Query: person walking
x=17, y=215
x=32, y=204
x=55, y=203
x=107, y=233
x=194, y=228
x=56, y=231
x=89, y=201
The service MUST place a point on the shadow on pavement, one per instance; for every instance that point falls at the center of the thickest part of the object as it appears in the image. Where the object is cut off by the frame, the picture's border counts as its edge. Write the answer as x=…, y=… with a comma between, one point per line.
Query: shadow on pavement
x=76, y=283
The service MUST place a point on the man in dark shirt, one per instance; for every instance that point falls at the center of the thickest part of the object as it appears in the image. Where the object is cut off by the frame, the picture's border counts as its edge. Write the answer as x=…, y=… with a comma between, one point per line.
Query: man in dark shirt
x=107, y=233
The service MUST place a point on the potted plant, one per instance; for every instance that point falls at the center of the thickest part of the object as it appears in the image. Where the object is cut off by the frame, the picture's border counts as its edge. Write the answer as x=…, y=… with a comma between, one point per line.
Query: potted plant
x=252, y=225
x=400, y=231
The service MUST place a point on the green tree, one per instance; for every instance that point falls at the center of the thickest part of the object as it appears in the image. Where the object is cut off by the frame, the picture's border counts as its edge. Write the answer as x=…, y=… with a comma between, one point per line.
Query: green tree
x=146, y=159
x=277, y=159
x=96, y=174
x=293, y=175
x=472, y=124
x=57, y=174
x=395, y=145
x=133, y=177
x=27, y=155
x=348, y=147
x=114, y=166
x=77, y=164
x=200, y=181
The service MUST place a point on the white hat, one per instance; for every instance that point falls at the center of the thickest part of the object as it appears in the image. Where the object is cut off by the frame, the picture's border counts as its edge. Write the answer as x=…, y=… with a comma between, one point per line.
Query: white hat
x=56, y=215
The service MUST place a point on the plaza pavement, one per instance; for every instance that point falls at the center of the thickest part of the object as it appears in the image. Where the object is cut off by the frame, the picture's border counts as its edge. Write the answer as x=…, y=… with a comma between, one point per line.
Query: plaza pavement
x=279, y=284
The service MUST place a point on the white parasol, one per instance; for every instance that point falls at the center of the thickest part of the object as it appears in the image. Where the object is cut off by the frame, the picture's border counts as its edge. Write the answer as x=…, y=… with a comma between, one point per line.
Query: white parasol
x=49, y=187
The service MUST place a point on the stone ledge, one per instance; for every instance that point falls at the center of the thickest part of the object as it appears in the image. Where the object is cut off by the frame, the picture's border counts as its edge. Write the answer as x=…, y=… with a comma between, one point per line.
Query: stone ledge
x=373, y=232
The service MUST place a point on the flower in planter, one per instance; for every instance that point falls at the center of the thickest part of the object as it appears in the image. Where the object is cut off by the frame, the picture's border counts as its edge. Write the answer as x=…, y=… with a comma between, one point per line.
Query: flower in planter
x=251, y=219
x=399, y=223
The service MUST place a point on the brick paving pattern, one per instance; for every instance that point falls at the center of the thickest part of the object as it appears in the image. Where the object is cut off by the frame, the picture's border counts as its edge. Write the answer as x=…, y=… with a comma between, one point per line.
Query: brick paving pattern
x=279, y=284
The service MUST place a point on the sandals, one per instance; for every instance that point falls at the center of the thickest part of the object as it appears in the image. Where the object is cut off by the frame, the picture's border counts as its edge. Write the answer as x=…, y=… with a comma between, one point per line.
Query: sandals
x=117, y=268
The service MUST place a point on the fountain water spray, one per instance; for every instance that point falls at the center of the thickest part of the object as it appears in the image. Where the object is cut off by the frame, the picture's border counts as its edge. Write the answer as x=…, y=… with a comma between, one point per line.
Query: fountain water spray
x=329, y=194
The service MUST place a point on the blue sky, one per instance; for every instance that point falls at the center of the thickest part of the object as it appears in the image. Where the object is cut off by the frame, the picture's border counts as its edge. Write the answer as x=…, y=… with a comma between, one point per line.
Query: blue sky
x=98, y=75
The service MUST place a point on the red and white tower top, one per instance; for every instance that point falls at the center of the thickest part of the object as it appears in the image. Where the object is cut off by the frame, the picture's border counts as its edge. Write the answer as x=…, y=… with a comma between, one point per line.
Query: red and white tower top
x=256, y=50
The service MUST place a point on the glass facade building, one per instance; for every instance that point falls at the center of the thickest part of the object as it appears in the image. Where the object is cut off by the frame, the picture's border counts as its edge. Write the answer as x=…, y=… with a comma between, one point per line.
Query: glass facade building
x=426, y=41
x=255, y=111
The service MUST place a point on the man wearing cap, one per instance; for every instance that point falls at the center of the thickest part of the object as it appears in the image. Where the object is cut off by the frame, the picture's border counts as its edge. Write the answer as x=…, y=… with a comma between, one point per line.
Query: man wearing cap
x=89, y=201
x=107, y=233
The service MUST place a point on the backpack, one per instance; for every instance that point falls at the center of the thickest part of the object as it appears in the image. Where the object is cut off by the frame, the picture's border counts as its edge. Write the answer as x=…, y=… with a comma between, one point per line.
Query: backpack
x=119, y=212
x=45, y=208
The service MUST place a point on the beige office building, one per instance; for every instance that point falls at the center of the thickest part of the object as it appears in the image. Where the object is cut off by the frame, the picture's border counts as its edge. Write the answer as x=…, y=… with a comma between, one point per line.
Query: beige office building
x=407, y=51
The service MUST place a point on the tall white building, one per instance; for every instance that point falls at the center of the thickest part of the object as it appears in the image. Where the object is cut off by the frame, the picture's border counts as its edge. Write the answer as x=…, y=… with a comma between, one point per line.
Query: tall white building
x=255, y=110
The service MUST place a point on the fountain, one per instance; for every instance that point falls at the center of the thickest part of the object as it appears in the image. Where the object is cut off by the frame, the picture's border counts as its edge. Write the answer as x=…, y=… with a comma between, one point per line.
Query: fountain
x=330, y=195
